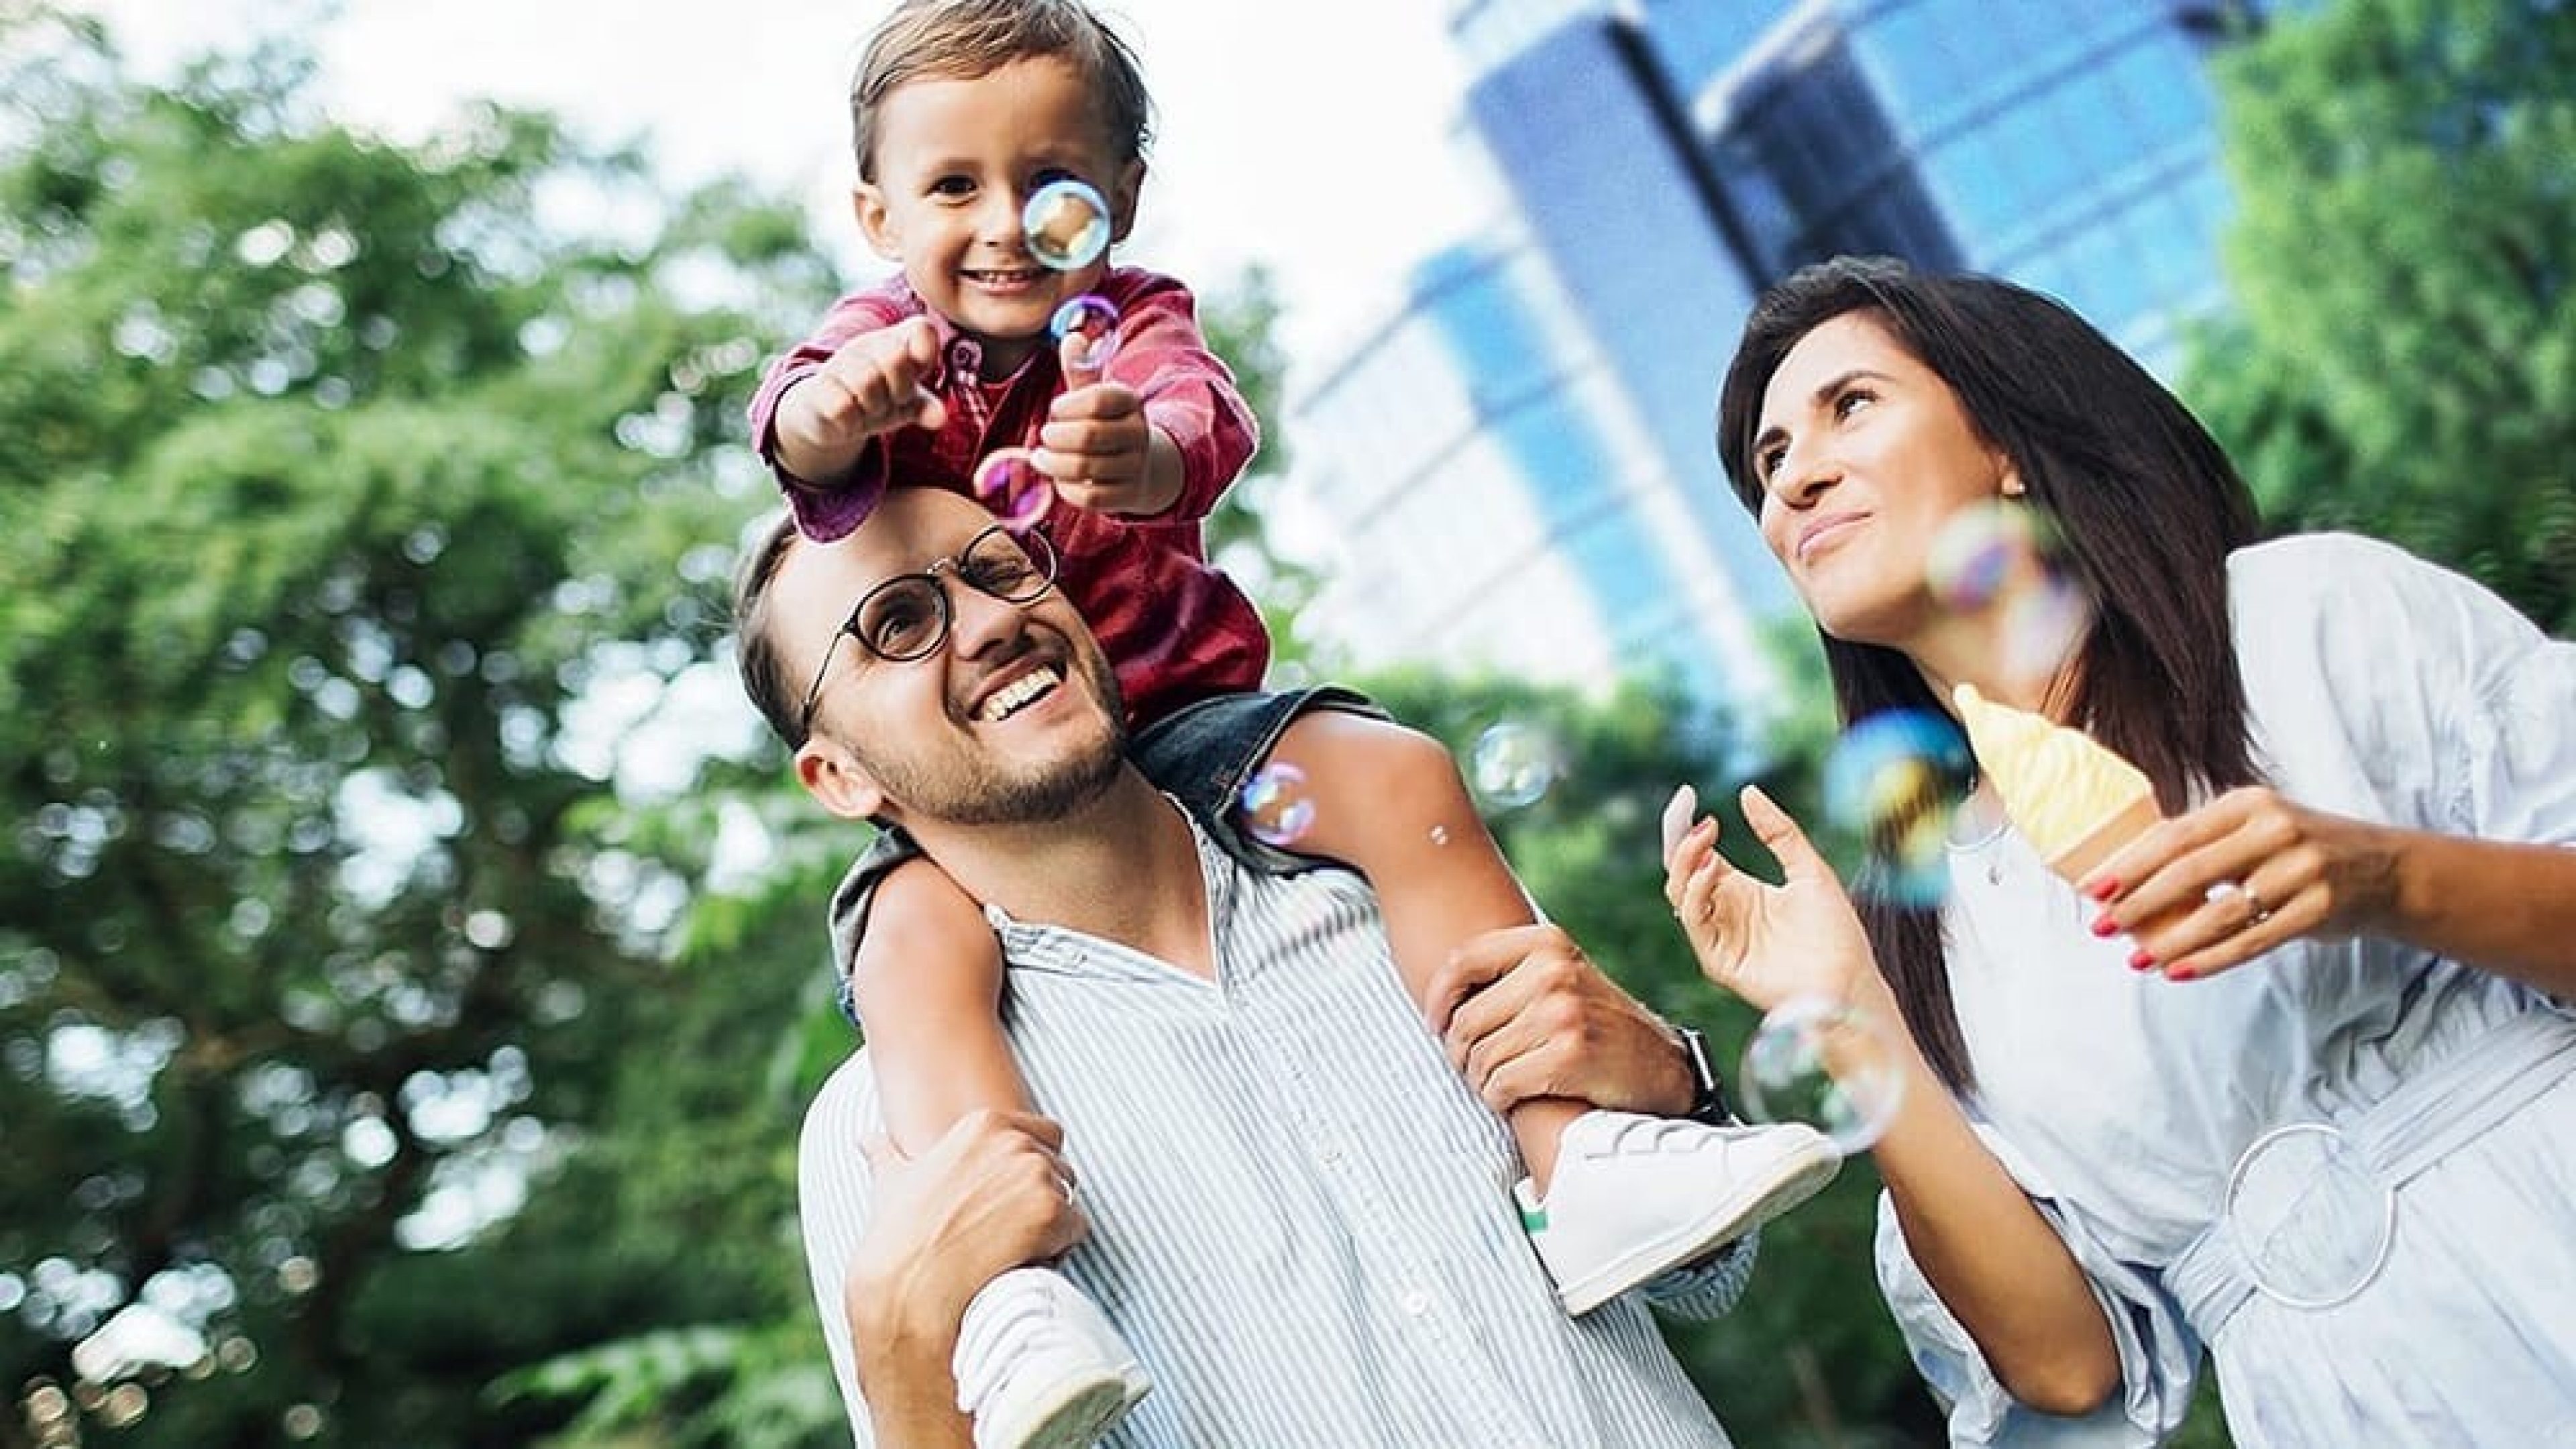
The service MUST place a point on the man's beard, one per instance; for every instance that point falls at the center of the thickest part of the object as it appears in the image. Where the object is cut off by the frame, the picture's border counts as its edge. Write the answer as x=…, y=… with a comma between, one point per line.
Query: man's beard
x=985, y=796
x=978, y=790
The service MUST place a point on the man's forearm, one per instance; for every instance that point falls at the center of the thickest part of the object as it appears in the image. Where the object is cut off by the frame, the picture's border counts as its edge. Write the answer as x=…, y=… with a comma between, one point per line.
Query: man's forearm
x=904, y=1376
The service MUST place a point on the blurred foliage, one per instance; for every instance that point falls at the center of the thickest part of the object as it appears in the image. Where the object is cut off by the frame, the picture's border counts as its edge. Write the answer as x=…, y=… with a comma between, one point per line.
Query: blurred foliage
x=353, y=495
x=2404, y=258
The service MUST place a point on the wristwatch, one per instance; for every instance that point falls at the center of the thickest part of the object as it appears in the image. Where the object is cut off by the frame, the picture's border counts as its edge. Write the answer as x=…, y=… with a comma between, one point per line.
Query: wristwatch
x=1708, y=1099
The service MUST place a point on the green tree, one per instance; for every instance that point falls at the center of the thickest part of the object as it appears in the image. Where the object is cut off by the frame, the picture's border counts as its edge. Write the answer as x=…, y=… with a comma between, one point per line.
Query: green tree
x=2404, y=257
x=341, y=487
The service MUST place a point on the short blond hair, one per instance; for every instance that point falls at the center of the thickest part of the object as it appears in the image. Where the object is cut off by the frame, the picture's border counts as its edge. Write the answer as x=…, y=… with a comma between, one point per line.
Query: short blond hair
x=963, y=39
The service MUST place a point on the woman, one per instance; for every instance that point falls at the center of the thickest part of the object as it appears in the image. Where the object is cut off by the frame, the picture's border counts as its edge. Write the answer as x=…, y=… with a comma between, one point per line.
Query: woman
x=2293, y=1075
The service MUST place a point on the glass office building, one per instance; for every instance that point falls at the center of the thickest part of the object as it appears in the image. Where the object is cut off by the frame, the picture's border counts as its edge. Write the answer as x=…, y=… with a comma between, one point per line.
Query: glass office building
x=1657, y=162
x=2068, y=144
x=1498, y=501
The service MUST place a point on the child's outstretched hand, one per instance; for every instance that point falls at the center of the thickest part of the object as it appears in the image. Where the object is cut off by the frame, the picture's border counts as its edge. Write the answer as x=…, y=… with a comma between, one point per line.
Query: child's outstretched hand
x=872, y=385
x=1098, y=447
x=1765, y=943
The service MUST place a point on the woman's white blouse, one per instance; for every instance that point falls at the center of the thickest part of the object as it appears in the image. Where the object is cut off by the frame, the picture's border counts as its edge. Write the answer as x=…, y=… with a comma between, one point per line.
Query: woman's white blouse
x=2380, y=688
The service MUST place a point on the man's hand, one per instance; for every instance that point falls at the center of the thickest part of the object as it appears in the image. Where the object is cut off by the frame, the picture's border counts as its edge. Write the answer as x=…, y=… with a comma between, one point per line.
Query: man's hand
x=872, y=385
x=992, y=1194
x=1526, y=1014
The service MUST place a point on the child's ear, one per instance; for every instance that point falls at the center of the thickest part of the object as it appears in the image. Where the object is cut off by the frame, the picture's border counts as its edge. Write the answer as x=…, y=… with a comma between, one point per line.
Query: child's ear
x=1124, y=193
x=833, y=776
x=876, y=223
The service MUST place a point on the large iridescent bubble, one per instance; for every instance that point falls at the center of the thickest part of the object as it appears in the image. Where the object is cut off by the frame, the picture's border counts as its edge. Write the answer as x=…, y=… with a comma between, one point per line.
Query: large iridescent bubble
x=2000, y=556
x=1009, y=483
x=1894, y=780
x=1067, y=225
x=1831, y=1066
x=2043, y=626
x=1980, y=551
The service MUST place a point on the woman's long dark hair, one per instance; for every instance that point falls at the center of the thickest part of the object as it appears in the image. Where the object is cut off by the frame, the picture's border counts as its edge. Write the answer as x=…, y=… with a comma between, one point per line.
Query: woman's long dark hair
x=2145, y=508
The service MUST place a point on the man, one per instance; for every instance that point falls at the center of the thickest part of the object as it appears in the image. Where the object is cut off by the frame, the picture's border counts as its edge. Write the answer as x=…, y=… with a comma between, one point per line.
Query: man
x=1304, y=1230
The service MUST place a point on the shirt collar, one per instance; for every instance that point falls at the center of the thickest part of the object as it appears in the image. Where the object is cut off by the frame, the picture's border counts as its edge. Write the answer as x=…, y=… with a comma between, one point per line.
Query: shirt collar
x=1038, y=946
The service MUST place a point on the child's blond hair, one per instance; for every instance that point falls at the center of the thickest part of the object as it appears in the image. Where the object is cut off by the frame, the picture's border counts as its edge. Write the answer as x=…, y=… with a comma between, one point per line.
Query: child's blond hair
x=963, y=39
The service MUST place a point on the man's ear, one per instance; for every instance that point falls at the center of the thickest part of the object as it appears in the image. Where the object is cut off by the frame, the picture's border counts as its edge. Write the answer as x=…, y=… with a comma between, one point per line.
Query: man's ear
x=1124, y=193
x=833, y=776
x=876, y=222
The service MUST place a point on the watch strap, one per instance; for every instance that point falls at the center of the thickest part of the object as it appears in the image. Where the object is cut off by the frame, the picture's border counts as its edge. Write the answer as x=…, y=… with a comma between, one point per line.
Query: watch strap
x=1708, y=1096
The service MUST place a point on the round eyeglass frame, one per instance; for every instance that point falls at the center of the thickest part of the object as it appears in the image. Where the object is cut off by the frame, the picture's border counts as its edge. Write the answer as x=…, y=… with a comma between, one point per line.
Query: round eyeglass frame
x=1038, y=549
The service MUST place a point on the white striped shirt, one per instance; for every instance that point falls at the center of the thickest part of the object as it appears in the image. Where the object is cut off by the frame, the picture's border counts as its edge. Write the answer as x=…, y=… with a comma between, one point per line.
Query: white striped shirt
x=1301, y=1216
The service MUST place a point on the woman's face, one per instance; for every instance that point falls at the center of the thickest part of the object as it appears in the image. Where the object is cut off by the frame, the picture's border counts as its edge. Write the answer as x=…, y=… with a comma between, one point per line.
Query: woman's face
x=1863, y=453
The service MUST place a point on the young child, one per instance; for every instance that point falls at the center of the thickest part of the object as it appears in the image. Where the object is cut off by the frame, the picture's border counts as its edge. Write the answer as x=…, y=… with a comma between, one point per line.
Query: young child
x=961, y=110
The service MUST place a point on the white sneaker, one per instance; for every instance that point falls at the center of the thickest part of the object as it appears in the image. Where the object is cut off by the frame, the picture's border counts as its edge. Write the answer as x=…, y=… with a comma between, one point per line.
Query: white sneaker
x=1039, y=1366
x=1636, y=1197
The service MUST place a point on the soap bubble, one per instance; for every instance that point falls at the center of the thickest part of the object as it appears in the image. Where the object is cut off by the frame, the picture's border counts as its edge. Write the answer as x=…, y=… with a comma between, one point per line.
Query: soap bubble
x=1980, y=551
x=1094, y=319
x=1895, y=779
x=2001, y=556
x=1275, y=806
x=1513, y=765
x=1009, y=483
x=2043, y=625
x=1828, y=1065
x=1067, y=224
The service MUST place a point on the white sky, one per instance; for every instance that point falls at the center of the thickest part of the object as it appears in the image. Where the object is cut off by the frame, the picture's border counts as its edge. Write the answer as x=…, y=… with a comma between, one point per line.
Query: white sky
x=1310, y=136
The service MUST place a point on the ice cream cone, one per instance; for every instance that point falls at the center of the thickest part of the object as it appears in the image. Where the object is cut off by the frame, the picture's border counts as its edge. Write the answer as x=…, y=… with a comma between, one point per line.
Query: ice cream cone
x=2075, y=801
x=2103, y=841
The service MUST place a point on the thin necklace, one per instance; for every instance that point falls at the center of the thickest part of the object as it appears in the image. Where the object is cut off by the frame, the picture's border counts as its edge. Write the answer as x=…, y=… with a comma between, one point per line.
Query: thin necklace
x=1980, y=843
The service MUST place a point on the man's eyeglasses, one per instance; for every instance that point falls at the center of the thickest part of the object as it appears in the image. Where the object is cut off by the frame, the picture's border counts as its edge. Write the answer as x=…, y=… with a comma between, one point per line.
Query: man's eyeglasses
x=907, y=616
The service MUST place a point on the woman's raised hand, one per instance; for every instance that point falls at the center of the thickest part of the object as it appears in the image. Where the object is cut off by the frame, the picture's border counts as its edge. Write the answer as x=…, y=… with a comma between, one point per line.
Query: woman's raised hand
x=1765, y=943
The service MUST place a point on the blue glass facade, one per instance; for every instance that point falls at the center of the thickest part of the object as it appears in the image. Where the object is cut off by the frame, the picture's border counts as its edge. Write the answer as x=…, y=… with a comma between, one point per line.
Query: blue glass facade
x=1497, y=495
x=1599, y=158
x=1659, y=161
x=2070, y=146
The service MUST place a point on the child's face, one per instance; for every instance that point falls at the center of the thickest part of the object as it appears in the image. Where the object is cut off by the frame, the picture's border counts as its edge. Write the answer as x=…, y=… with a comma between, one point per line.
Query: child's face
x=956, y=161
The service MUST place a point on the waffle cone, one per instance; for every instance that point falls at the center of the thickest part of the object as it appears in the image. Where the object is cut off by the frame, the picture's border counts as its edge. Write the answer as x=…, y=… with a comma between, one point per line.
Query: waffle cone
x=2105, y=840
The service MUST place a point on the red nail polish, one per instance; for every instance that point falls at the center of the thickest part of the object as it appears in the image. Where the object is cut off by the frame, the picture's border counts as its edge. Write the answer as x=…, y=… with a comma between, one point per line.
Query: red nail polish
x=2142, y=960
x=2182, y=973
x=2104, y=889
x=2105, y=927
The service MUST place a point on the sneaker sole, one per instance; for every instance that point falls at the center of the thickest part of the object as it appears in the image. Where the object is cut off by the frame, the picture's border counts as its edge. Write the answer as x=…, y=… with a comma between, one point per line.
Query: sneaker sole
x=1730, y=1219
x=1079, y=1416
